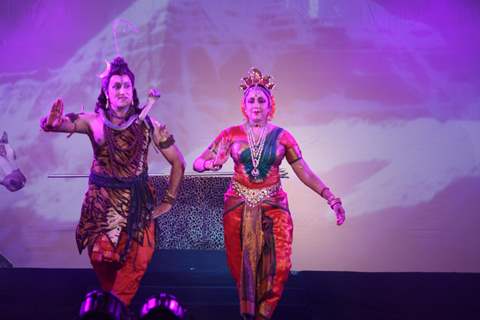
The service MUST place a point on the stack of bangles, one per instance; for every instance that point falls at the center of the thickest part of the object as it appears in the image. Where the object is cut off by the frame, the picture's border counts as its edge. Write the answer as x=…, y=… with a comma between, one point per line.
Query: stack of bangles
x=169, y=198
x=204, y=165
x=331, y=199
x=204, y=162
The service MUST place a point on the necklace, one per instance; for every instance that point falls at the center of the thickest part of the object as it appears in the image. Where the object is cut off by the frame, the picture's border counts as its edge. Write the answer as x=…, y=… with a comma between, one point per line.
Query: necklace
x=120, y=127
x=256, y=147
x=112, y=114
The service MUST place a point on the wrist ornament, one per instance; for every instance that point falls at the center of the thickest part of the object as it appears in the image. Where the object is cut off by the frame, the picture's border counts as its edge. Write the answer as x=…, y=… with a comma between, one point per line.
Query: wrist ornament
x=169, y=198
x=332, y=201
x=167, y=143
x=204, y=165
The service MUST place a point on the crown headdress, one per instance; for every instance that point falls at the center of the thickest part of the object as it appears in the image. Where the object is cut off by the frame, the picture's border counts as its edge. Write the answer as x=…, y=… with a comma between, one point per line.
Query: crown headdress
x=256, y=78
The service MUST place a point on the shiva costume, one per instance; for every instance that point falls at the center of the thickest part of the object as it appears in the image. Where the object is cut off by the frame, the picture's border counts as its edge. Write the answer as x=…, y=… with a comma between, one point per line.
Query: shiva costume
x=116, y=222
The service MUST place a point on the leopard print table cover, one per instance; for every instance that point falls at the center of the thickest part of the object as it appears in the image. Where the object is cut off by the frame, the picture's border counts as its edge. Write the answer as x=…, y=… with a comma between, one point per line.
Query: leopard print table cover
x=195, y=221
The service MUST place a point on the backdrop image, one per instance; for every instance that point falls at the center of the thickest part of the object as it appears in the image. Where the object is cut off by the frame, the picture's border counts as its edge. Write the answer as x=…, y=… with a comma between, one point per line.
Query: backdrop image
x=382, y=97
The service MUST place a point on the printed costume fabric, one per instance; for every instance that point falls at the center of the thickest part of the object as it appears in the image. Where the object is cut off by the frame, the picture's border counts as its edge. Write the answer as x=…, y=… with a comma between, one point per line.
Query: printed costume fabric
x=257, y=223
x=115, y=223
x=122, y=279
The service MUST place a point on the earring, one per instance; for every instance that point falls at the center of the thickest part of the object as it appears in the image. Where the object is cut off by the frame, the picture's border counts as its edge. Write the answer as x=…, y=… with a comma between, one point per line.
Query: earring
x=108, y=104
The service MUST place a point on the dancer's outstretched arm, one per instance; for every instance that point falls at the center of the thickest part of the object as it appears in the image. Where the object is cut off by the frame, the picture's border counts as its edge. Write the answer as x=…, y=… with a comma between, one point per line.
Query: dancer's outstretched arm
x=310, y=179
x=72, y=123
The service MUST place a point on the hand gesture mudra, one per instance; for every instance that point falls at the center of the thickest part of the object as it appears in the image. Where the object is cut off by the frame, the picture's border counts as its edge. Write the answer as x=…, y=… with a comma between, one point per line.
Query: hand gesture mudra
x=222, y=152
x=221, y=156
x=153, y=96
x=55, y=117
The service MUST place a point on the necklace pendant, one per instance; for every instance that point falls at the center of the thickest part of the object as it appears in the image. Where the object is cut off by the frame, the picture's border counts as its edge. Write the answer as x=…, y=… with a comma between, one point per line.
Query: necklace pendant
x=255, y=172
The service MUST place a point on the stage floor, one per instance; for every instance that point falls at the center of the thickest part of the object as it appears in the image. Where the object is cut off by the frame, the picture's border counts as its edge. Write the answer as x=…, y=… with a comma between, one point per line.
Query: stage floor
x=204, y=286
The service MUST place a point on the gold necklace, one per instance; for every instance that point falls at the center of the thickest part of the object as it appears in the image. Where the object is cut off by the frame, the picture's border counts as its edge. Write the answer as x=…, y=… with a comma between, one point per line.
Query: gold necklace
x=256, y=148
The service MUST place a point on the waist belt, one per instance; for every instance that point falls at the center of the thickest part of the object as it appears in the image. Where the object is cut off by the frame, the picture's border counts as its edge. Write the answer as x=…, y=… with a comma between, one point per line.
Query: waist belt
x=253, y=197
x=141, y=199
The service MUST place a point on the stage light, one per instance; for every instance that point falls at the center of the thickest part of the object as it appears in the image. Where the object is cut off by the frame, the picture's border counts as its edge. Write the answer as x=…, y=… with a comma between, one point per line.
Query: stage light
x=163, y=307
x=100, y=305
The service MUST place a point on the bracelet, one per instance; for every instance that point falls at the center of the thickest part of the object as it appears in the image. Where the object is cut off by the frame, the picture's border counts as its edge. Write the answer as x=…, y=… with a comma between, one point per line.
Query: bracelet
x=333, y=201
x=169, y=198
x=330, y=198
x=167, y=143
x=203, y=165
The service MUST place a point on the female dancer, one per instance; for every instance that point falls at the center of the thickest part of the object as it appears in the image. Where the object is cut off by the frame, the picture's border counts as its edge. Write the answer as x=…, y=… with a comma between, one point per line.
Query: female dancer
x=257, y=222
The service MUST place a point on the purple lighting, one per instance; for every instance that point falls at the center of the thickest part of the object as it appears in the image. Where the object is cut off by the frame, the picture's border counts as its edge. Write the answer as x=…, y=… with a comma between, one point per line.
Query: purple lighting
x=162, y=304
x=99, y=303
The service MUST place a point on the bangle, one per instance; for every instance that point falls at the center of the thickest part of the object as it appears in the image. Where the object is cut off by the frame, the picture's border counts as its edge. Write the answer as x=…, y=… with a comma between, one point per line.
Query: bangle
x=333, y=201
x=205, y=168
x=167, y=143
x=169, y=198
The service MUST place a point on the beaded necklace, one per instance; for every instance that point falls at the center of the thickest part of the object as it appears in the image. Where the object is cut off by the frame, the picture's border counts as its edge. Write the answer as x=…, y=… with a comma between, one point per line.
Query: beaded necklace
x=119, y=127
x=256, y=147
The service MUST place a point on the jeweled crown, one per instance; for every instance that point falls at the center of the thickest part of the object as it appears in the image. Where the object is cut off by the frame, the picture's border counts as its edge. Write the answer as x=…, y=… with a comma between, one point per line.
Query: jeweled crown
x=256, y=78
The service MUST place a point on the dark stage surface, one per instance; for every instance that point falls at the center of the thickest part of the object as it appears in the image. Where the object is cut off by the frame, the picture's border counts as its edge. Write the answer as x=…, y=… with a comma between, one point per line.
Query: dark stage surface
x=201, y=282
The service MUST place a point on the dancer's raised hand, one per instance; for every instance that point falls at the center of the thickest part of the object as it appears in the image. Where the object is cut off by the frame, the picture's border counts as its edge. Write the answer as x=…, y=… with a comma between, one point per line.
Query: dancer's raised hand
x=54, y=118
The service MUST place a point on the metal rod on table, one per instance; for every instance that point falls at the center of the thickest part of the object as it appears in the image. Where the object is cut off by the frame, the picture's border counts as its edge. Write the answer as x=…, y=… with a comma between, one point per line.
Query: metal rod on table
x=283, y=175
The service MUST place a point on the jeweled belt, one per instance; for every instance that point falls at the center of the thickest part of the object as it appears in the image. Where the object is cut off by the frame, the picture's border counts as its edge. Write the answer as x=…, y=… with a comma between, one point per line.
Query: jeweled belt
x=253, y=197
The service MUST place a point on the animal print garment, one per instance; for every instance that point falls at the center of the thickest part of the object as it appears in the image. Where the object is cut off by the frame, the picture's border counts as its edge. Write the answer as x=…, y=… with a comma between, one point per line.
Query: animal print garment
x=105, y=210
